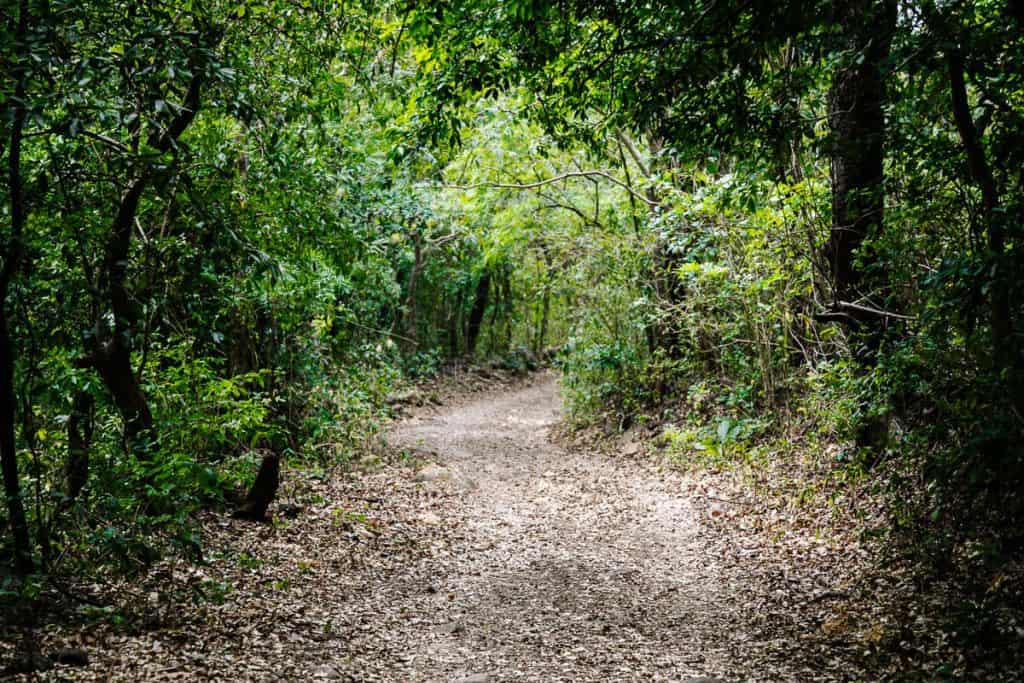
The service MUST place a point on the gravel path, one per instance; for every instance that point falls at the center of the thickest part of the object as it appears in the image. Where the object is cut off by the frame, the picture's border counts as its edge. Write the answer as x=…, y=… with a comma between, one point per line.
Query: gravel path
x=570, y=566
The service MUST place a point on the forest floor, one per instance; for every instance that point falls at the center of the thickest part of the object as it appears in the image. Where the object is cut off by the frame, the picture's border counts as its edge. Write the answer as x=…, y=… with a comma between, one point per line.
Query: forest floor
x=482, y=548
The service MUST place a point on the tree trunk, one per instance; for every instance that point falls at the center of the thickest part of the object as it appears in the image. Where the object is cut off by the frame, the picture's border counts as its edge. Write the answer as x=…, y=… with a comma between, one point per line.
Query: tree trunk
x=12, y=254
x=112, y=355
x=263, y=490
x=857, y=123
x=9, y=454
x=80, y=425
x=476, y=314
x=1001, y=318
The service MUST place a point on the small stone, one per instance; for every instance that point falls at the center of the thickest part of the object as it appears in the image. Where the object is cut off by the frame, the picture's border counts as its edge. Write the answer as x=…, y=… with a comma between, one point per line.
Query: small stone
x=453, y=628
x=433, y=473
x=477, y=678
x=326, y=671
x=430, y=518
x=632, y=448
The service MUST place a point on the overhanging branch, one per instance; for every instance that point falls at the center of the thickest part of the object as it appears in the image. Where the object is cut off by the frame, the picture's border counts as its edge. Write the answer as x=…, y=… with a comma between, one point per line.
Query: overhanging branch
x=547, y=181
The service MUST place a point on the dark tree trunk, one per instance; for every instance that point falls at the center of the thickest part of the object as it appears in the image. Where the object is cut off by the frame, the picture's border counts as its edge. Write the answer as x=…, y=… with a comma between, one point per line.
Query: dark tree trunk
x=857, y=123
x=263, y=490
x=116, y=371
x=476, y=314
x=12, y=254
x=454, y=317
x=8, y=453
x=112, y=356
x=80, y=425
x=981, y=172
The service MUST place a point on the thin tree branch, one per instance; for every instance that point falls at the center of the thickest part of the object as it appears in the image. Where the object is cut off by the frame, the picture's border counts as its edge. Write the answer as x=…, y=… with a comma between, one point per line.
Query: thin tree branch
x=109, y=142
x=968, y=133
x=633, y=152
x=547, y=181
x=847, y=309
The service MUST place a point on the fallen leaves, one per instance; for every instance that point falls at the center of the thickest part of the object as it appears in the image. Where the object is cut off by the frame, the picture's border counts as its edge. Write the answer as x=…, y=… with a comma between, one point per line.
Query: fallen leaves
x=554, y=564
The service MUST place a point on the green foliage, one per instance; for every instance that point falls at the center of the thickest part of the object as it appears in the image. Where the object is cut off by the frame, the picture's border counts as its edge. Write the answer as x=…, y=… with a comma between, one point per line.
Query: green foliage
x=245, y=223
x=727, y=282
x=279, y=275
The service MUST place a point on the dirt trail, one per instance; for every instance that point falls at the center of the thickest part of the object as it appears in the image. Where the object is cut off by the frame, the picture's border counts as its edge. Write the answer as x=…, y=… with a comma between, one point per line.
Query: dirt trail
x=570, y=566
x=489, y=554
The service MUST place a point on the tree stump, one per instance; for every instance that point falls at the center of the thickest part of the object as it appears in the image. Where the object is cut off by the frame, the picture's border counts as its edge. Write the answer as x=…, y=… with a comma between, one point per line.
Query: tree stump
x=263, y=490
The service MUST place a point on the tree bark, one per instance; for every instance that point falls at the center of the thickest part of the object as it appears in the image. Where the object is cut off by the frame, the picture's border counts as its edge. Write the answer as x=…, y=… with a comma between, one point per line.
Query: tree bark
x=80, y=425
x=857, y=123
x=112, y=353
x=1001, y=319
x=476, y=314
x=8, y=453
x=263, y=490
x=12, y=256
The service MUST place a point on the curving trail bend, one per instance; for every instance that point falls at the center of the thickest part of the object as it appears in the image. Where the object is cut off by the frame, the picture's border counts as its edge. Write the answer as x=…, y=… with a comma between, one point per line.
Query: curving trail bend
x=569, y=566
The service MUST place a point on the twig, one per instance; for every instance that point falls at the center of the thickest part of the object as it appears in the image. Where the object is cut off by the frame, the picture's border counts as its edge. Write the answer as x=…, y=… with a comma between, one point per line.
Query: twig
x=726, y=500
x=109, y=142
x=850, y=309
